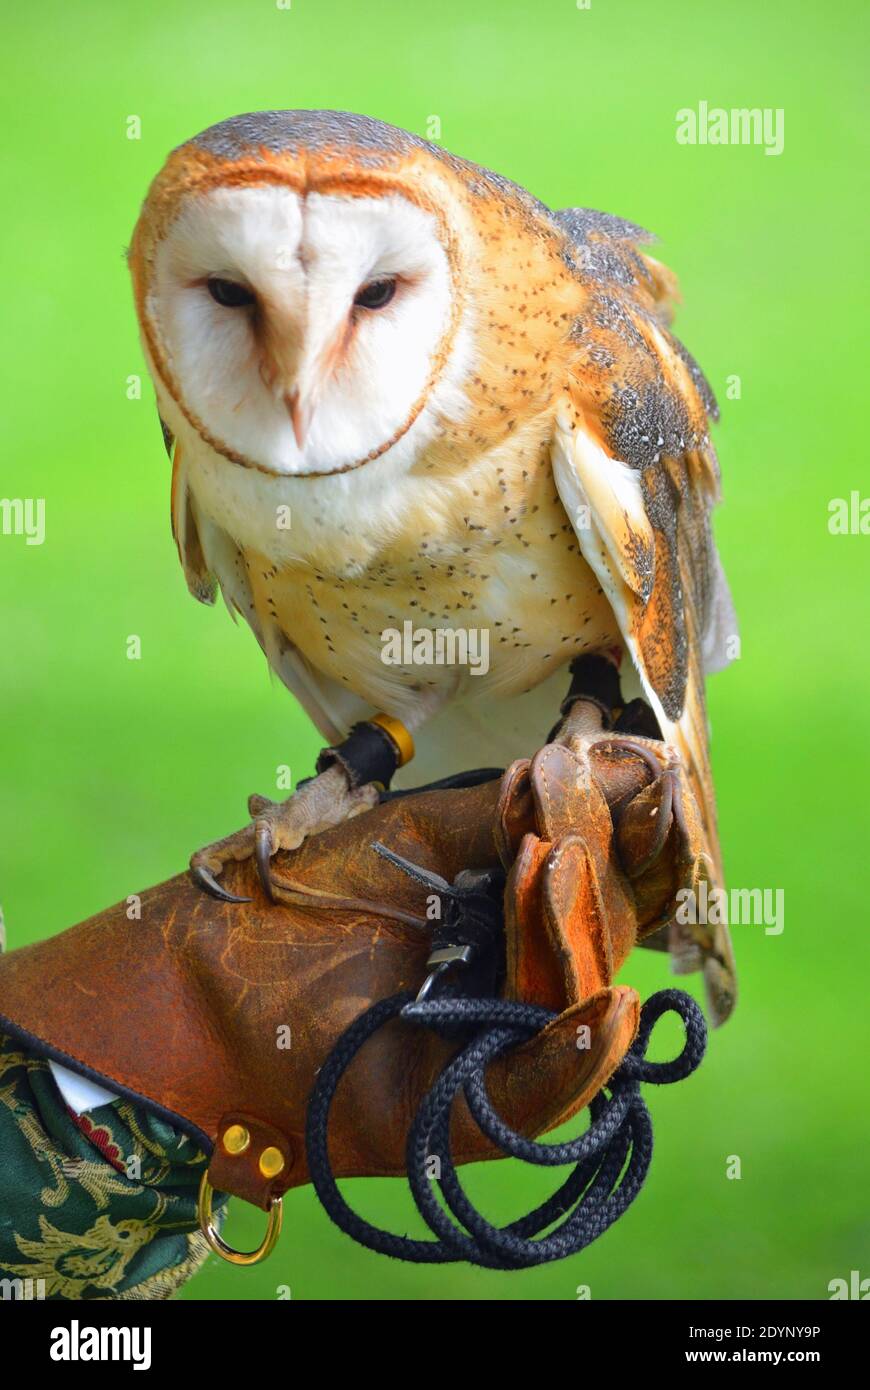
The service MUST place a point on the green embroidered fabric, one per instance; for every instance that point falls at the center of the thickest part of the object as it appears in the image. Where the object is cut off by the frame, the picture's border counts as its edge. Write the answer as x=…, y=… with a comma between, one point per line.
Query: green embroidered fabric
x=99, y=1206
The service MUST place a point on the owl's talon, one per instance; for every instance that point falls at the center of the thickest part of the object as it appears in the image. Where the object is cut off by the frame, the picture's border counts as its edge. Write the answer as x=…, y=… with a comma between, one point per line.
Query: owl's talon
x=206, y=864
x=207, y=881
x=264, y=848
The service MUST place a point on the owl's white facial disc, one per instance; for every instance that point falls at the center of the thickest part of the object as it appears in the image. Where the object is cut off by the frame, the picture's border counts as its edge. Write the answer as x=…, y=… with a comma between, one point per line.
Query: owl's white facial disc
x=310, y=375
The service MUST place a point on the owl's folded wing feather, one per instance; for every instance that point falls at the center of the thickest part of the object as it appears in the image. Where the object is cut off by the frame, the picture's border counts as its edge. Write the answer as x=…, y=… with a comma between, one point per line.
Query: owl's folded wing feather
x=638, y=477
x=185, y=530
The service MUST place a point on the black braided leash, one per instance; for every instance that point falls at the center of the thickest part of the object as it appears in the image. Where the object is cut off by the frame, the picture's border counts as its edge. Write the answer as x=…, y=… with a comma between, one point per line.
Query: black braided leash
x=611, y=1160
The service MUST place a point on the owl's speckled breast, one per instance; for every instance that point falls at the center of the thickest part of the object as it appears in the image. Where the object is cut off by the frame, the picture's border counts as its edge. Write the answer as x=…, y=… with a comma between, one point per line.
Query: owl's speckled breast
x=499, y=566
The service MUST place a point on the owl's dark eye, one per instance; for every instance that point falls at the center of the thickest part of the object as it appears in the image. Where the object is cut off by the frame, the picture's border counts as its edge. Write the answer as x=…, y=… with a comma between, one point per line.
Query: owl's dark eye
x=228, y=293
x=375, y=294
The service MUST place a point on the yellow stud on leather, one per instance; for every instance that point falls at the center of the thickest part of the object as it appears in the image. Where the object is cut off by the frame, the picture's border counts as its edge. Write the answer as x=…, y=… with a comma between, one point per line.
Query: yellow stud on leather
x=271, y=1162
x=236, y=1139
x=400, y=736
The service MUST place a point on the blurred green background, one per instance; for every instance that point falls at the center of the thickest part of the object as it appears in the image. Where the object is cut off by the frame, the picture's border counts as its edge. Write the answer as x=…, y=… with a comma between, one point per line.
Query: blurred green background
x=114, y=770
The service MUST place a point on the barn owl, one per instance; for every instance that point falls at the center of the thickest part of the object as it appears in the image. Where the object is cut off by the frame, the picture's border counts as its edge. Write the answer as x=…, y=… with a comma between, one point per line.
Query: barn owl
x=402, y=396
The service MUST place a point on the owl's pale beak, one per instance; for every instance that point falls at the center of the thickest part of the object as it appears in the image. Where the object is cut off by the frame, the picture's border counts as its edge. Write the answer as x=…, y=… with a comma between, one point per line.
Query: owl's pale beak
x=310, y=377
x=300, y=413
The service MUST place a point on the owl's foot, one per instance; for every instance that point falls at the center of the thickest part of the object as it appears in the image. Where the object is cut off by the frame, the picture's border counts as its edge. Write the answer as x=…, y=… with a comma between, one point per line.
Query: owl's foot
x=628, y=743
x=326, y=800
x=660, y=839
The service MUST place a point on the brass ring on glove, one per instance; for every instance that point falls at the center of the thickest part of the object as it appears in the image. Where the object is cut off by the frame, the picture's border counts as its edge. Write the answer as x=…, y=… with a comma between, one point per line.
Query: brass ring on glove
x=216, y=1242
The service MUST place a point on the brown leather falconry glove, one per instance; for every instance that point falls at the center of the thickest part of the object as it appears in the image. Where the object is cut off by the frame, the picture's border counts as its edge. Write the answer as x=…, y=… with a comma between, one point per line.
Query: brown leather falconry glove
x=220, y=1016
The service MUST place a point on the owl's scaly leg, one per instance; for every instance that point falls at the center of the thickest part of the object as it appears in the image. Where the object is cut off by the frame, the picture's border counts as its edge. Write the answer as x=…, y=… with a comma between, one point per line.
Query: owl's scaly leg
x=594, y=702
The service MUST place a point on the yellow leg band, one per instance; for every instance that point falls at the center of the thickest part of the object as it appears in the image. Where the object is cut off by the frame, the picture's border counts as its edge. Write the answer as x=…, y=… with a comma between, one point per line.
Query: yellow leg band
x=398, y=734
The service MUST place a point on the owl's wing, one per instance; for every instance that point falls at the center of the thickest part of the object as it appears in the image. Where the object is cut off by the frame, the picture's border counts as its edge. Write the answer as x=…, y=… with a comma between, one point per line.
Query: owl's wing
x=185, y=529
x=638, y=477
